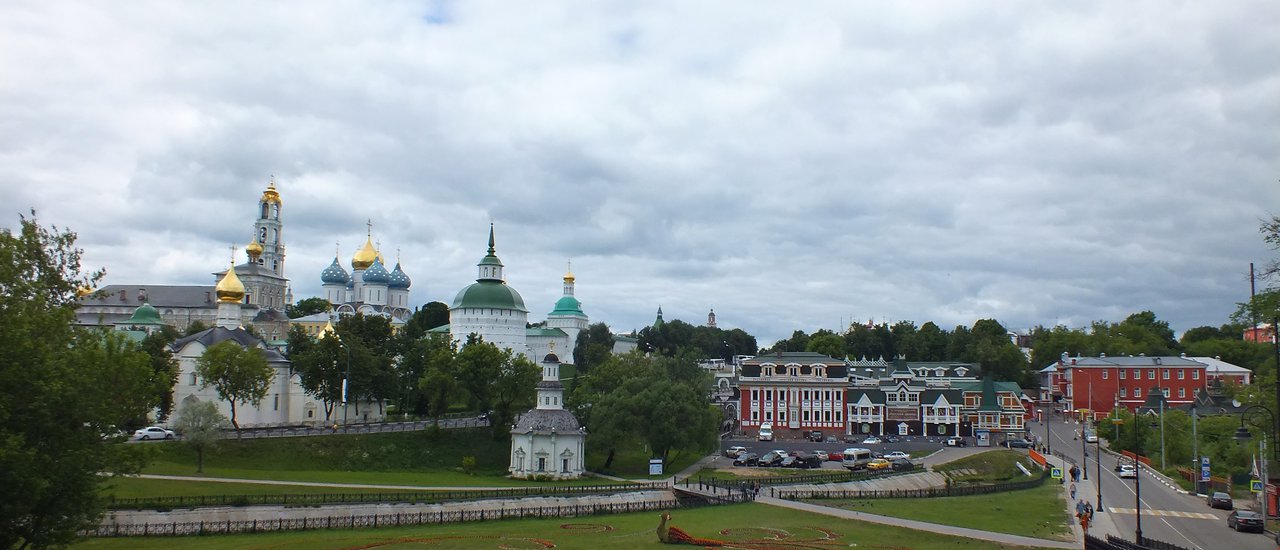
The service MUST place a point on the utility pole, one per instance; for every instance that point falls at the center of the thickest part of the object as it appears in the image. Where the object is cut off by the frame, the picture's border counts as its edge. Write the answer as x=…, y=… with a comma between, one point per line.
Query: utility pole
x=1195, y=447
x=1162, y=398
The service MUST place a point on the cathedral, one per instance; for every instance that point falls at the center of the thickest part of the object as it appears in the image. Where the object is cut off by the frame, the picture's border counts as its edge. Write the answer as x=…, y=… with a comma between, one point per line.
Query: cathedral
x=263, y=304
x=370, y=289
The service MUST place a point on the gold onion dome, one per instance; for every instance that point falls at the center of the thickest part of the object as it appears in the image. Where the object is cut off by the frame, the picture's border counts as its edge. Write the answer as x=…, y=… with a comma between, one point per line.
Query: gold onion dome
x=271, y=195
x=568, y=277
x=365, y=256
x=254, y=249
x=230, y=290
x=84, y=291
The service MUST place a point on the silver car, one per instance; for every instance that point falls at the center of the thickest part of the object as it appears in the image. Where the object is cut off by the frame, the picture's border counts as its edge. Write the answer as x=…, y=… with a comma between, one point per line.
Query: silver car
x=153, y=432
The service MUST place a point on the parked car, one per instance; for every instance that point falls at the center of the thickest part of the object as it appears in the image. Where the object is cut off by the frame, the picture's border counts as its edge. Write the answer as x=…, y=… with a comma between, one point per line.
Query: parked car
x=830, y=439
x=1016, y=444
x=1244, y=520
x=1220, y=500
x=957, y=442
x=789, y=462
x=153, y=432
x=901, y=465
x=771, y=458
x=815, y=435
x=879, y=464
x=837, y=456
x=1127, y=471
x=872, y=440
x=892, y=439
x=851, y=439
x=766, y=432
x=822, y=455
x=747, y=459
x=896, y=455
x=733, y=452
x=810, y=461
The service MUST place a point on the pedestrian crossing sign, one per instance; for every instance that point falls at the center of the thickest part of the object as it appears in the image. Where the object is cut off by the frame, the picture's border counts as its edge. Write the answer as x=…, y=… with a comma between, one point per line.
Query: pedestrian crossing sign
x=1255, y=485
x=1056, y=473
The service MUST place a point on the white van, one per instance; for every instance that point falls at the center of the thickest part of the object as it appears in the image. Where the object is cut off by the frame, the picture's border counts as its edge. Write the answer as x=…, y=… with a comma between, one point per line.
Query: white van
x=857, y=459
x=766, y=432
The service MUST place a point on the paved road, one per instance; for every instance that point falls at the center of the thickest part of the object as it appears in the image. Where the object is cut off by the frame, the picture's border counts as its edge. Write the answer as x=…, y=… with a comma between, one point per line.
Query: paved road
x=1168, y=513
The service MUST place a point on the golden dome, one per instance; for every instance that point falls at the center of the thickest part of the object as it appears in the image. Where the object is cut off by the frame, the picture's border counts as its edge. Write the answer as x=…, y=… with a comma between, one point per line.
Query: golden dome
x=365, y=256
x=568, y=273
x=84, y=291
x=327, y=330
x=270, y=195
x=254, y=249
x=230, y=290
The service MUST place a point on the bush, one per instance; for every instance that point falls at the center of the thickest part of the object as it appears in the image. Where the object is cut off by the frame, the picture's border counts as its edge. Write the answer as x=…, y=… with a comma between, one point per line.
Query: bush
x=468, y=465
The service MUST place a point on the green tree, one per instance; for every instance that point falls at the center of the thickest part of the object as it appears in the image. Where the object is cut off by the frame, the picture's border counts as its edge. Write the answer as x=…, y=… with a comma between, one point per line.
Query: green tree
x=61, y=388
x=201, y=427
x=594, y=345
x=513, y=391
x=240, y=375
x=425, y=318
x=438, y=382
x=478, y=364
x=321, y=366
x=1264, y=307
x=163, y=366
x=372, y=375
x=827, y=343
x=307, y=306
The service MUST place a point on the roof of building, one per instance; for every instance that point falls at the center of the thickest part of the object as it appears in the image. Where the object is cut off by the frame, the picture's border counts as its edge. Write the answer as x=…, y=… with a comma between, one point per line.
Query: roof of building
x=398, y=278
x=377, y=274
x=1126, y=361
x=567, y=305
x=217, y=335
x=251, y=269
x=874, y=396
x=802, y=357
x=334, y=274
x=146, y=314
x=546, y=420
x=489, y=294
x=1215, y=365
x=160, y=296
x=543, y=331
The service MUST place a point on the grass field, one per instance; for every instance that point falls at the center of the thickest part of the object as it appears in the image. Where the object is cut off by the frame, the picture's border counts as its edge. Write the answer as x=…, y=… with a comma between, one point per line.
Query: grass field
x=987, y=467
x=1037, y=512
x=412, y=458
x=746, y=525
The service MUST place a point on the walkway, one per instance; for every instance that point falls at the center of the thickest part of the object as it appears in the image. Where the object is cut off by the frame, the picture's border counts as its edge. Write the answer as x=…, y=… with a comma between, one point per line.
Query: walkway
x=1003, y=538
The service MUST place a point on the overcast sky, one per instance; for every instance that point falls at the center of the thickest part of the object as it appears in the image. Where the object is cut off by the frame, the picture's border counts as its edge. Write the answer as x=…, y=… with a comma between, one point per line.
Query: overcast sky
x=1036, y=163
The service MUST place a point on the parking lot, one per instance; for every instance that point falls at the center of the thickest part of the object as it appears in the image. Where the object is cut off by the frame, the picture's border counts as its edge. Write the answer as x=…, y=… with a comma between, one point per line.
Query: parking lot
x=917, y=447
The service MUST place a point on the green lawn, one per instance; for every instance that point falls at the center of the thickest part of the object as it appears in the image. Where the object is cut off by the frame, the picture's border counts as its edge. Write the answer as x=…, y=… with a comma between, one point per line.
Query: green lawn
x=988, y=467
x=633, y=462
x=752, y=525
x=1037, y=512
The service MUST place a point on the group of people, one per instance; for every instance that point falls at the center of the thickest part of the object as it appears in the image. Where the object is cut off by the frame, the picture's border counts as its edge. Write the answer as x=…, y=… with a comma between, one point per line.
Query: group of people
x=1084, y=512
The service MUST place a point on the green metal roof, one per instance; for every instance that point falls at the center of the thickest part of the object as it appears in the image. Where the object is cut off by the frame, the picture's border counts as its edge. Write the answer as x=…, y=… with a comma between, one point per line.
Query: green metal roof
x=442, y=329
x=568, y=305
x=490, y=294
x=540, y=331
x=146, y=314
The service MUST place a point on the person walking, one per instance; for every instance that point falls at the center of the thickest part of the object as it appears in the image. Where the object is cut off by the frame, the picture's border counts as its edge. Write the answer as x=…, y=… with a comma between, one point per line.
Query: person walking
x=1073, y=491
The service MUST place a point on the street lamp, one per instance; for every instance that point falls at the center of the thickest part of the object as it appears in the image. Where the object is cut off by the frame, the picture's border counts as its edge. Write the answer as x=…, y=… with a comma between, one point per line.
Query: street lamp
x=1242, y=434
x=1048, y=444
x=1137, y=480
x=345, y=377
x=1097, y=465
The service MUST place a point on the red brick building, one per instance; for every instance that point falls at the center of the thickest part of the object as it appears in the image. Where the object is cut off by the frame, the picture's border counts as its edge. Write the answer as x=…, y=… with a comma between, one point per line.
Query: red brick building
x=1098, y=384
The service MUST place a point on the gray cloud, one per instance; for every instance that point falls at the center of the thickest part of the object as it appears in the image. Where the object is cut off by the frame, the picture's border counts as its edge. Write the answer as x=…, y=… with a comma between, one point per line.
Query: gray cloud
x=793, y=169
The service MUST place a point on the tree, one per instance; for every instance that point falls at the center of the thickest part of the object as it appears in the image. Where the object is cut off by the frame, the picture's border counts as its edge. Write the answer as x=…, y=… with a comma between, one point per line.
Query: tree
x=307, y=306
x=827, y=343
x=438, y=382
x=163, y=366
x=201, y=427
x=321, y=366
x=61, y=388
x=594, y=345
x=478, y=364
x=513, y=390
x=425, y=318
x=1264, y=307
x=240, y=375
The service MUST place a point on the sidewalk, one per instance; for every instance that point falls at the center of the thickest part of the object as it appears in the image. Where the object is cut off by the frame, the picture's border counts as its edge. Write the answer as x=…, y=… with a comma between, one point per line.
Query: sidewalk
x=1103, y=522
x=1003, y=538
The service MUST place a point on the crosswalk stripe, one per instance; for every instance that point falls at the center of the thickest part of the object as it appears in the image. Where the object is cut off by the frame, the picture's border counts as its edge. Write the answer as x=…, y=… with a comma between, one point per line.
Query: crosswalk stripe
x=1170, y=513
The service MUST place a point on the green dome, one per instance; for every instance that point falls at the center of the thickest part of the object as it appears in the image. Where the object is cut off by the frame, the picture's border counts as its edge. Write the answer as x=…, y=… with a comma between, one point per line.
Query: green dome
x=568, y=305
x=488, y=293
x=146, y=314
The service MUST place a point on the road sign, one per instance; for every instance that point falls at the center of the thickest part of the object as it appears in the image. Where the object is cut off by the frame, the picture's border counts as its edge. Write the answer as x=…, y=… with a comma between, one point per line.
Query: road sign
x=1204, y=469
x=1255, y=485
x=1117, y=421
x=1056, y=473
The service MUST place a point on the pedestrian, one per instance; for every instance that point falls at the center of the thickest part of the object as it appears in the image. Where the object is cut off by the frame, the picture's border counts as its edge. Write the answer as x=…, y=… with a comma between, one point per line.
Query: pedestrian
x=1088, y=511
x=1079, y=508
x=1084, y=523
x=1073, y=491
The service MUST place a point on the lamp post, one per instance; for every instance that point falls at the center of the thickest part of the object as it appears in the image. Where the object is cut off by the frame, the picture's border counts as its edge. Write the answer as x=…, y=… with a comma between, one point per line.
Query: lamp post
x=1097, y=466
x=1048, y=445
x=1163, y=396
x=345, y=377
x=1137, y=481
x=1242, y=434
x=1195, y=447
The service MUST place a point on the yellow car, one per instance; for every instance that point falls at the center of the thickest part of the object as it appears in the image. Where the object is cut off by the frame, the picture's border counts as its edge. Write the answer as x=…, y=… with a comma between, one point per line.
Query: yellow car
x=878, y=464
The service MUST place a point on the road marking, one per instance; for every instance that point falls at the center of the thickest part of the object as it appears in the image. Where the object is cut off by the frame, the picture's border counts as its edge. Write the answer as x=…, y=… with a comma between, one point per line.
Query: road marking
x=1165, y=513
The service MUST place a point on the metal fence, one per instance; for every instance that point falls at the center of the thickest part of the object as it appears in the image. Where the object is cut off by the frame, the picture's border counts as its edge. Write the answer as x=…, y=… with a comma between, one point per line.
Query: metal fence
x=385, y=520
x=1112, y=542
x=949, y=491
x=834, y=477
x=167, y=503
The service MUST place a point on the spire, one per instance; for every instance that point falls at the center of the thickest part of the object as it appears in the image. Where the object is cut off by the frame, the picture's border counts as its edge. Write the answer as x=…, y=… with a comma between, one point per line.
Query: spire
x=658, y=322
x=491, y=251
x=490, y=267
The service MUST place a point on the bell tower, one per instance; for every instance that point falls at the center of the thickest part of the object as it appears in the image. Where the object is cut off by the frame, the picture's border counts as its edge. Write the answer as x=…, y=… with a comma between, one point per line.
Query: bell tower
x=268, y=230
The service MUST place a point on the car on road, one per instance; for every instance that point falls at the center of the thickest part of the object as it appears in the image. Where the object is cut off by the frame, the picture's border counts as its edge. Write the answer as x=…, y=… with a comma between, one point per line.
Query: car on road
x=153, y=432
x=957, y=442
x=1127, y=471
x=901, y=465
x=879, y=464
x=892, y=439
x=771, y=458
x=896, y=455
x=1016, y=443
x=815, y=435
x=836, y=456
x=733, y=452
x=1244, y=520
x=806, y=461
x=1221, y=500
x=1090, y=436
x=747, y=459
x=831, y=439
x=766, y=432
x=789, y=462
x=872, y=440
x=822, y=455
